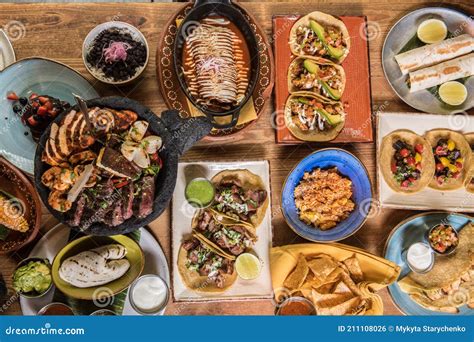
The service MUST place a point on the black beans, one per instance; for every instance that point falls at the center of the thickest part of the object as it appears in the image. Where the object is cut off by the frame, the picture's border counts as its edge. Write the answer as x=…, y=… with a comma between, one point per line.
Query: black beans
x=118, y=70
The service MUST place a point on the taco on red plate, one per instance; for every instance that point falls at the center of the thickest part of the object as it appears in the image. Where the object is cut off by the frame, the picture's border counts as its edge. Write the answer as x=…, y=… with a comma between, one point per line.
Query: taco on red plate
x=230, y=237
x=316, y=75
x=406, y=161
x=203, y=268
x=320, y=35
x=241, y=195
x=312, y=118
x=452, y=155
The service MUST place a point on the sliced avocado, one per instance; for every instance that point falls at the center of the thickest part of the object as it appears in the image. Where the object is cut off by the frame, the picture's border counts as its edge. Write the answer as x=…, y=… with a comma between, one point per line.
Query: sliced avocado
x=333, y=93
x=312, y=67
x=332, y=119
x=334, y=52
x=319, y=30
x=303, y=100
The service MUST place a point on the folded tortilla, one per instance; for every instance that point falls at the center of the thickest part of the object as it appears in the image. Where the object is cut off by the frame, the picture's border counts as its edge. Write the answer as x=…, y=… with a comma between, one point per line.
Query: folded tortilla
x=441, y=73
x=433, y=137
x=469, y=183
x=432, y=54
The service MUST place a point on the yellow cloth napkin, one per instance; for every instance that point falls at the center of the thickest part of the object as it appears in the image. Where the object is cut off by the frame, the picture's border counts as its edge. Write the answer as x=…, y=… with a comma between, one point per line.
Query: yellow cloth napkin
x=247, y=113
x=378, y=272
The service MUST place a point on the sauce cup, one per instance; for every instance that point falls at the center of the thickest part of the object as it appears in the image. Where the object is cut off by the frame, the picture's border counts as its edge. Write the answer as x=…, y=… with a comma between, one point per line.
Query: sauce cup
x=133, y=301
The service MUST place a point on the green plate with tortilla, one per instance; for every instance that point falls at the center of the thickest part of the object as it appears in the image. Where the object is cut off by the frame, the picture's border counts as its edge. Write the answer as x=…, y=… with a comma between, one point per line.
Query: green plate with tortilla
x=116, y=262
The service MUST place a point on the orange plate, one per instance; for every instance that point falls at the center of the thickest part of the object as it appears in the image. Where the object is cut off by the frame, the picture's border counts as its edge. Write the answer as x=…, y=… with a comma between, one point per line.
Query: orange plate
x=356, y=96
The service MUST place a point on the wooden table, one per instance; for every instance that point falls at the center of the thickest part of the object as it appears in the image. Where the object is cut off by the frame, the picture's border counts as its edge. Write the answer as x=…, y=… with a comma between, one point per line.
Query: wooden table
x=57, y=30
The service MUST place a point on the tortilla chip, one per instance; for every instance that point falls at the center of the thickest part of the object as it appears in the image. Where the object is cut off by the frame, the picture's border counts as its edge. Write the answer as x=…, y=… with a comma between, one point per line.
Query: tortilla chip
x=296, y=278
x=323, y=265
x=329, y=300
x=353, y=266
x=341, y=287
x=344, y=308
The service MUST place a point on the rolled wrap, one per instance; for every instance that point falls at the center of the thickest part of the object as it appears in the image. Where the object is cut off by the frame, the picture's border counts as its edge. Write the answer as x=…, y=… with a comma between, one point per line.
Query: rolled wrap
x=441, y=73
x=432, y=54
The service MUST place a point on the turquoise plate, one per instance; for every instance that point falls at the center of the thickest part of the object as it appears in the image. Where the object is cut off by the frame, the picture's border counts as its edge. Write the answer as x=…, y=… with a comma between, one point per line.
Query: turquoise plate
x=402, y=236
x=41, y=76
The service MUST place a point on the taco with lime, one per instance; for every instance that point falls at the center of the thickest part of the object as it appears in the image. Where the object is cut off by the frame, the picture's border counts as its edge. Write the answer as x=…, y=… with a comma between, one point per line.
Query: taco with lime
x=203, y=268
x=312, y=118
x=406, y=161
x=316, y=75
x=229, y=236
x=452, y=156
x=320, y=35
x=241, y=195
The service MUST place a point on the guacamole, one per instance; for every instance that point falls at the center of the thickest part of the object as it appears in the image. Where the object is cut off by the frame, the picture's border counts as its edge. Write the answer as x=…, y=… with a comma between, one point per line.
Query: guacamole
x=32, y=278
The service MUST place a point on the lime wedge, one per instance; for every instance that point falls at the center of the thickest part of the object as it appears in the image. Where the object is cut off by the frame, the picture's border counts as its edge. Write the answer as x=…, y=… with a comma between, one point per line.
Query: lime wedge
x=453, y=93
x=432, y=31
x=248, y=266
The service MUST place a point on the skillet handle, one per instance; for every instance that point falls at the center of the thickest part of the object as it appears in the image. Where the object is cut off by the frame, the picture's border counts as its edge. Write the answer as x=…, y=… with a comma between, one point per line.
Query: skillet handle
x=232, y=123
x=198, y=3
x=185, y=132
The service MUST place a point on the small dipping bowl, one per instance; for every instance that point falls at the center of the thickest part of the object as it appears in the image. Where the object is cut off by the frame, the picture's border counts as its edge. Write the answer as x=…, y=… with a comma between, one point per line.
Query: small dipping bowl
x=149, y=294
x=25, y=262
x=296, y=306
x=450, y=249
x=103, y=312
x=420, y=257
x=197, y=187
x=56, y=309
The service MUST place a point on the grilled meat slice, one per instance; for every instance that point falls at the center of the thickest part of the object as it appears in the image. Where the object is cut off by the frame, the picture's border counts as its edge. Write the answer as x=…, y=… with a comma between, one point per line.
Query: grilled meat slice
x=191, y=244
x=115, y=216
x=115, y=163
x=147, y=196
x=128, y=196
x=78, y=212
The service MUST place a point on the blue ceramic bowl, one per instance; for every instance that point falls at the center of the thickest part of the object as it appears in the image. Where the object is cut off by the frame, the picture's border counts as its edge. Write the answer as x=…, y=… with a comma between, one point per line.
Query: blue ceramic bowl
x=349, y=166
x=403, y=236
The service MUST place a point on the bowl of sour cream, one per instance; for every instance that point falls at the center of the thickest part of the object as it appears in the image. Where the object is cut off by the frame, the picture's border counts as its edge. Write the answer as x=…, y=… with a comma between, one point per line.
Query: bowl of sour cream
x=149, y=294
x=420, y=257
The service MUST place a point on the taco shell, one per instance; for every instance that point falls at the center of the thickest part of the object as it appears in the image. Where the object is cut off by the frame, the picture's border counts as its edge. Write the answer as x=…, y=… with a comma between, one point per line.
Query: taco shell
x=469, y=183
x=314, y=135
x=224, y=220
x=248, y=180
x=433, y=137
x=196, y=282
x=387, y=152
x=324, y=20
x=319, y=61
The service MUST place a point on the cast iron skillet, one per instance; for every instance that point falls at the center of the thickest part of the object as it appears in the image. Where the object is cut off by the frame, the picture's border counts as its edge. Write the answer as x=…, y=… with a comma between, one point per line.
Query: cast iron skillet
x=178, y=136
x=223, y=8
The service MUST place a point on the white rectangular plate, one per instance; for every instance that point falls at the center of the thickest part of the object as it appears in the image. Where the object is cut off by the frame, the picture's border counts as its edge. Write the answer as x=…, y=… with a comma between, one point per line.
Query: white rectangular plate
x=456, y=200
x=182, y=214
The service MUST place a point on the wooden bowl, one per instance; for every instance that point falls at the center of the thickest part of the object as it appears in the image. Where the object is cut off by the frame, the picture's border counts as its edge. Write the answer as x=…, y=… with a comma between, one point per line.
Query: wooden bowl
x=16, y=184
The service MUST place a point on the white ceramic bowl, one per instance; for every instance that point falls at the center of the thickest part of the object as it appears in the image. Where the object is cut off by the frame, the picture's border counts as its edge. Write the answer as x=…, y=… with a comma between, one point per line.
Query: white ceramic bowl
x=87, y=45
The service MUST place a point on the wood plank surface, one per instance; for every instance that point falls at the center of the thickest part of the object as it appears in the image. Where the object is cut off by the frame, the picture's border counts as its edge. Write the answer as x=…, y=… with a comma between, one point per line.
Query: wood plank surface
x=57, y=30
